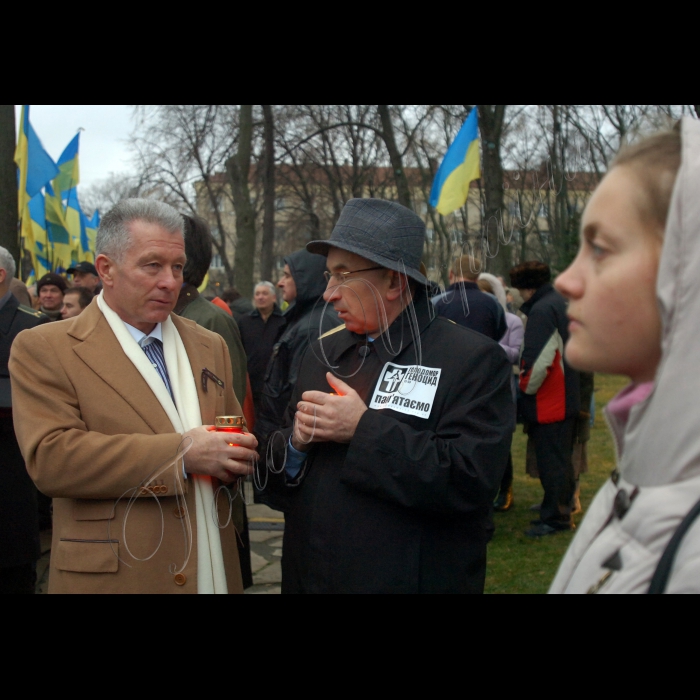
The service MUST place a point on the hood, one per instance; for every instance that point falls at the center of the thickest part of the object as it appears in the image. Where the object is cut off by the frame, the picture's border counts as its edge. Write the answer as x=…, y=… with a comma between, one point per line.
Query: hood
x=662, y=441
x=307, y=270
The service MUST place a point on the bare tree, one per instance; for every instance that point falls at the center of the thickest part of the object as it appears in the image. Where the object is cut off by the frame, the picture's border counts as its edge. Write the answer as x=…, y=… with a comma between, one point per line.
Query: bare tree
x=105, y=194
x=182, y=150
x=9, y=236
x=239, y=167
x=270, y=184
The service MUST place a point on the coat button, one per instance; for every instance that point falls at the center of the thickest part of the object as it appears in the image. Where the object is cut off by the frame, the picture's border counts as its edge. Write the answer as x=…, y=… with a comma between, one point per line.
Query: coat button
x=179, y=513
x=180, y=580
x=163, y=490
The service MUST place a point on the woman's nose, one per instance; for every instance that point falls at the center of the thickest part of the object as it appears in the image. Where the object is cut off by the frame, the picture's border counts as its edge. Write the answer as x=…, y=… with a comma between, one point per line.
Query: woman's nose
x=570, y=283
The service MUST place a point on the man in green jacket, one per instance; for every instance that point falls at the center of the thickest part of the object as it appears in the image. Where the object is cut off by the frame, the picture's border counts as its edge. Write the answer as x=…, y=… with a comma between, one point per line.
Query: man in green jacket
x=190, y=305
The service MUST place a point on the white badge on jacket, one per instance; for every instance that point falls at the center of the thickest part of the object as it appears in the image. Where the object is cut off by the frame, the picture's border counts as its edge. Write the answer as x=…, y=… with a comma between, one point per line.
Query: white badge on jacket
x=409, y=390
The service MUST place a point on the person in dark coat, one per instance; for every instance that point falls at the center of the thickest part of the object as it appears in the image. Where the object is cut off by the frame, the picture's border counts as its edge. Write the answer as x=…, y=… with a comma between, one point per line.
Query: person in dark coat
x=237, y=303
x=465, y=304
x=306, y=320
x=260, y=331
x=19, y=517
x=550, y=399
x=193, y=306
x=399, y=428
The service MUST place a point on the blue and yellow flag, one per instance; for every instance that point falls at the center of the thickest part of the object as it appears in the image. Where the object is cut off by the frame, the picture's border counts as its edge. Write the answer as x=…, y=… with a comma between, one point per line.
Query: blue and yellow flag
x=462, y=165
x=36, y=239
x=69, y=166
x=75, y=225
x=59, y=236
x=36, y=167
x=89, y=239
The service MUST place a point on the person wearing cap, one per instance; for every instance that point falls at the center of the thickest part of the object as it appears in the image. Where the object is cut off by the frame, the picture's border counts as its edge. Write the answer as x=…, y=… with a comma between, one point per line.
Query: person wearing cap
x=85, y=276
x=51, y=289
x=550, y=399
x=19, y=524
x=399, y=428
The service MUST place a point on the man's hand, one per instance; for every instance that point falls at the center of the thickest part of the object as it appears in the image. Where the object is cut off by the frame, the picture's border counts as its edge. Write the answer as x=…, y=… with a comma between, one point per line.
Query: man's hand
x=212, y=454
x=327, y=417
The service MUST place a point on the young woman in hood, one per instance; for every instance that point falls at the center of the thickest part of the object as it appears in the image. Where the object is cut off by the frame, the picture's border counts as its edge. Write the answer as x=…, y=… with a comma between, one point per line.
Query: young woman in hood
x=634, y=293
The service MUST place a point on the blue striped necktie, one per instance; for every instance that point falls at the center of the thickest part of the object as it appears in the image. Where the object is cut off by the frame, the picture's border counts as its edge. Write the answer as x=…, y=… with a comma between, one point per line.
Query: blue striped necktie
x=154, y=352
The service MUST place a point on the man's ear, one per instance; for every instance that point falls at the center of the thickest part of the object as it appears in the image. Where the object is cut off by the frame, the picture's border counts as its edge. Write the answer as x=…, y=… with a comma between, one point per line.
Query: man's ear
x=398, y=286
x=3, y=276
x=105, y=269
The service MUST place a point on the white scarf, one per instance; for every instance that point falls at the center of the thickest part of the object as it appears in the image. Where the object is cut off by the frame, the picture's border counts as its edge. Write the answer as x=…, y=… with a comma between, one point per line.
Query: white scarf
x=185, y=415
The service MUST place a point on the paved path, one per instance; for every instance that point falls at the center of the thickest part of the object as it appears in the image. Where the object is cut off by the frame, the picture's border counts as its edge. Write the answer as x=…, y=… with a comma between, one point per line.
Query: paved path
x=266, y=554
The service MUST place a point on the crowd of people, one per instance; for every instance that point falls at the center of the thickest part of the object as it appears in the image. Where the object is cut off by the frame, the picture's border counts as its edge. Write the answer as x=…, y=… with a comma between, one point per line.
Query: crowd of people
x=378, y=410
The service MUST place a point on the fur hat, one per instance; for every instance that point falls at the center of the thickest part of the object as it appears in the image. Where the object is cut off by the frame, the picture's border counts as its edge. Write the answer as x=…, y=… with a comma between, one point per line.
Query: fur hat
x=530, y=275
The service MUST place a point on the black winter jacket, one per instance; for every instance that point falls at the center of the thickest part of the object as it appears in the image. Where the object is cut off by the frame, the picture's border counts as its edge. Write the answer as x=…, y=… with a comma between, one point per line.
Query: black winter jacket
x=550, y=389
x=19, y=519
x=465, y=304
x=306, y=320
x=406, y=507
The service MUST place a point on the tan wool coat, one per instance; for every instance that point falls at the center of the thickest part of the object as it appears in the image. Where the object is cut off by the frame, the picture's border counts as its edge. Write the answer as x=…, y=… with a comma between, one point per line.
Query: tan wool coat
x=93, y=435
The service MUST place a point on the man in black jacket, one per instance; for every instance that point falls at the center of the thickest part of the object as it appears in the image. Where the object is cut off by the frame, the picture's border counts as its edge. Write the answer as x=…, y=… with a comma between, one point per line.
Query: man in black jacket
x=550, y=401
x=307, y=319
x=19, y=518
x=465, y=304
x=260, y=331
x=402, y=427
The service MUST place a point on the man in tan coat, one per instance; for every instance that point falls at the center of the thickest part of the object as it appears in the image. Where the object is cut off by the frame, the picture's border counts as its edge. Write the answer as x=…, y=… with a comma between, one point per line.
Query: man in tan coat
x=106, y=406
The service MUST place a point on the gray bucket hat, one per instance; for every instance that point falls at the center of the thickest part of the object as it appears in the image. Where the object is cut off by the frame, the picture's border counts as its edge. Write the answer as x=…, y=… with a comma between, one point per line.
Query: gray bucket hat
x=385, y=233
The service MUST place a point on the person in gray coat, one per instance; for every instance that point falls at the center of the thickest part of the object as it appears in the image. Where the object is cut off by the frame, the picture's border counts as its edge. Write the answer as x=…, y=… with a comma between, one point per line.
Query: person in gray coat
x=634, y=293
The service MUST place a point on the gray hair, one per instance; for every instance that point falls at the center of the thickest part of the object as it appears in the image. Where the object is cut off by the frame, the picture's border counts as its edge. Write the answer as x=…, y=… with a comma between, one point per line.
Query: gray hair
x=114, y=237
x=7, y=263
x=269, y=285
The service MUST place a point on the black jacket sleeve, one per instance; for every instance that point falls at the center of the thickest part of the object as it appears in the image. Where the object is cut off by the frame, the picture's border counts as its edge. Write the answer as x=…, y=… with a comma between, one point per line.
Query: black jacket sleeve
x=452, y=470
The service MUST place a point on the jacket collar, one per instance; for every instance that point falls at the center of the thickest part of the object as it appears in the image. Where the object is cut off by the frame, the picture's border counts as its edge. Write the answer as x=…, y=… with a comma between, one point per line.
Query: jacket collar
x=188, y=294
x=463, y=285
x=541, y=293
x=275, y=312
x=100, y=350
x=396, y=340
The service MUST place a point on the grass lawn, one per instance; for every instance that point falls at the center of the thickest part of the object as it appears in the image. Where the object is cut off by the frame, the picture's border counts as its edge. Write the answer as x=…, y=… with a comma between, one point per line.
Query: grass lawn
x=523, y=566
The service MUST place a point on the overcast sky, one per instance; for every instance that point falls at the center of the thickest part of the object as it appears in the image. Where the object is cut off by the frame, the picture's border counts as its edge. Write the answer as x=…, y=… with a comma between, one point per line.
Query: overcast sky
x=103, y=143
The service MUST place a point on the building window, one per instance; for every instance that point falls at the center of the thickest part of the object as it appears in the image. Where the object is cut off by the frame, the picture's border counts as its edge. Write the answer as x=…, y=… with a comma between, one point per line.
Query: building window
x=216, y=263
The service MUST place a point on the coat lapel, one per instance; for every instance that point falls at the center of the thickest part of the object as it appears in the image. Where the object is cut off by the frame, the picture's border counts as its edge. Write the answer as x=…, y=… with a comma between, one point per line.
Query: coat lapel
x=102, y=353
x=200, y=353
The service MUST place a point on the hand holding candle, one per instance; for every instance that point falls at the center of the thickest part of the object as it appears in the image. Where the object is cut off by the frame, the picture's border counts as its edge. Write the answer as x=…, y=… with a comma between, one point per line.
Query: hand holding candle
x=328, y=417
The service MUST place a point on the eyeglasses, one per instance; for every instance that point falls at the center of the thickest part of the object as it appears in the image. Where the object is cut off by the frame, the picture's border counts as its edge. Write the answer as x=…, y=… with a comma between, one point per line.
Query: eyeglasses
x=342, y=277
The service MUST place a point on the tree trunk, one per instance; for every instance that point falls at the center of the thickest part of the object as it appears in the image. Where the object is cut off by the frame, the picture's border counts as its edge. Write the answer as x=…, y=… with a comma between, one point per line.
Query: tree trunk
x=389, y=136
x=238, y=168
x=268, y=241
x=697, y=109
x=492, y=118
x=9, y=236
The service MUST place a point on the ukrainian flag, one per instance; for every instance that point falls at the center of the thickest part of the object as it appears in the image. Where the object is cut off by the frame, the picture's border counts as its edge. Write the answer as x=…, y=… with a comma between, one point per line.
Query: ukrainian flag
x=75, y=225
x=59, y=235
x=462, y=165
x=36, y=167
x=89, y=239
x=35, y=235
x=69, y=166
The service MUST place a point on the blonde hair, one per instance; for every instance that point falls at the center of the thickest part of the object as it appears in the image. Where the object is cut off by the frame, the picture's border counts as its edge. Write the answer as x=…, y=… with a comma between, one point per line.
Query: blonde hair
x=656, y=161
x=464, y=268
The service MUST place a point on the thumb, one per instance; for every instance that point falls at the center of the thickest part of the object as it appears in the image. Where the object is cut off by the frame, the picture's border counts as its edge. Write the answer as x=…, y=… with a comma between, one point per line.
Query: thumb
x=339, y=386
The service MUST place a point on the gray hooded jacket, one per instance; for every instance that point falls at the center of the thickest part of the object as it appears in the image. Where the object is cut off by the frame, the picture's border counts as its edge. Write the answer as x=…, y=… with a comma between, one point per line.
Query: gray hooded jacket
x=631, y=522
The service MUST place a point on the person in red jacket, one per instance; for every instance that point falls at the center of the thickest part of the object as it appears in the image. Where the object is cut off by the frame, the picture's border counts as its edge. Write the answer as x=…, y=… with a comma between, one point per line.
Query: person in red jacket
x=550, y=395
